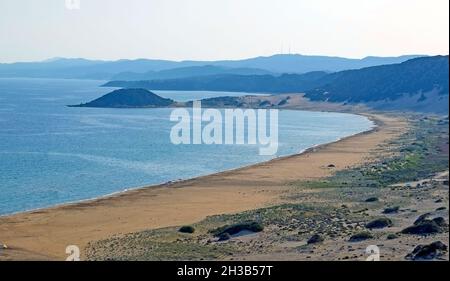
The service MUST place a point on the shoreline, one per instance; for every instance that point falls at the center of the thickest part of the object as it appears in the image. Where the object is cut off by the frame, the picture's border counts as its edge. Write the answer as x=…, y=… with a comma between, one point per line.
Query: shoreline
x=374, y=126
x=185, y=201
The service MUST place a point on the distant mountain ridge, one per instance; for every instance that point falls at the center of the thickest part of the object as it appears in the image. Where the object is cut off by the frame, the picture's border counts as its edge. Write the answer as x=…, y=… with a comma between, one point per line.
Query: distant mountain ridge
x=190, y=71
x=285, y=83
x=107, y=70
x=419, y=84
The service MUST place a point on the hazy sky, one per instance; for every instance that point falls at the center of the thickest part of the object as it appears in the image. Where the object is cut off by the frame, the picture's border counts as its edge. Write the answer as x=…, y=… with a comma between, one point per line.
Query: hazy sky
x=220, y=29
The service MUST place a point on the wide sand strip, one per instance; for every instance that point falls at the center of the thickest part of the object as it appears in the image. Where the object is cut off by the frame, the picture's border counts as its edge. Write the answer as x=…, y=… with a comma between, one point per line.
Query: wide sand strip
x=45, y=234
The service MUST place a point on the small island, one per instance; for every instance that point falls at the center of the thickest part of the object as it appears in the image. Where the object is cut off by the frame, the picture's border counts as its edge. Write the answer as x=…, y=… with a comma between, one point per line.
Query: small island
x=129, y=98
x=143, y=98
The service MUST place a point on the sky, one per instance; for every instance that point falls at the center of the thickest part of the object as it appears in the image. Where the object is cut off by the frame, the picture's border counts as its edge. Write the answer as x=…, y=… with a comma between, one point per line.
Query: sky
x=32, y=30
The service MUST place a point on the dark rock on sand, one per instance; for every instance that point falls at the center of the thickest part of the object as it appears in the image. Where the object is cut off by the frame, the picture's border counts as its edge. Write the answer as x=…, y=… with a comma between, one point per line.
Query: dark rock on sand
x=379, y=223
x=361, y=236
x=316, y=238
x=372, y=199
x=428, y=252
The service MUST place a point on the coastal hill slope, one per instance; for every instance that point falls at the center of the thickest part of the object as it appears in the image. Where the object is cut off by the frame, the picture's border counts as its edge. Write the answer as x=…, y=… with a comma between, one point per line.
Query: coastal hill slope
x=419, y=75
x=128, y=98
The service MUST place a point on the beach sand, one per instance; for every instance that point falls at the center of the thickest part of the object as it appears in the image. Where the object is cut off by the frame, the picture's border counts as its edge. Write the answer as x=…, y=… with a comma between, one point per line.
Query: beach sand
x=45, y=234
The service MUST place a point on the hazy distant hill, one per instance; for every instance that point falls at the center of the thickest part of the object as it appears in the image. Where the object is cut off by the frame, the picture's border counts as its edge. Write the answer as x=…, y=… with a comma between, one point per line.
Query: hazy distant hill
x=190, y=71
x=304, y=64
x=419, y=84
x=285, y=83
x=128, y=98
x=94, y=69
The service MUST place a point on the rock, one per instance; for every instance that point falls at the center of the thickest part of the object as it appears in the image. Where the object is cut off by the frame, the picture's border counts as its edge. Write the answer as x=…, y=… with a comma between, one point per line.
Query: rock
x=316, y=238
x=331, y=166
x=361, y=236
x=379, y=223
x=392, y=236
x=372, y=199
x=187, y=229
x=428, y=252
x=441, y=209
x=4, y=246
x=391, y=210
x=423, y=228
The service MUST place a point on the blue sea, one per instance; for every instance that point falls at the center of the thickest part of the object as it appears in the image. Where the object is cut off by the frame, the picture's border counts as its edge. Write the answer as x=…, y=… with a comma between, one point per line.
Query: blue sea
x=52, y=154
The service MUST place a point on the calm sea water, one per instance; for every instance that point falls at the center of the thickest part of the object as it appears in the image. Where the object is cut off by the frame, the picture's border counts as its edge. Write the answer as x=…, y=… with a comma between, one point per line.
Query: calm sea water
x=52, y=154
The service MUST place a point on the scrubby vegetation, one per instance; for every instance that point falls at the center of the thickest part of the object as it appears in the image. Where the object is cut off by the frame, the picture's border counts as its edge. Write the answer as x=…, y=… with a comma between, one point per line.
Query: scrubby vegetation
x=420, y=154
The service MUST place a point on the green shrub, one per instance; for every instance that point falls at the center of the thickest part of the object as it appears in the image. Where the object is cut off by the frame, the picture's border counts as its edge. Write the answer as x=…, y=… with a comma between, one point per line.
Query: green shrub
x=361, y=236
x=238, y=227
x=187, y=229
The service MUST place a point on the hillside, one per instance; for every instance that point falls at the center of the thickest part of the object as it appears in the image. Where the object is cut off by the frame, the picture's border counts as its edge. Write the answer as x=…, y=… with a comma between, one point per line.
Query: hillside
x=128, y=98
x=286, y=83
x=420, y=84
x=191, y=71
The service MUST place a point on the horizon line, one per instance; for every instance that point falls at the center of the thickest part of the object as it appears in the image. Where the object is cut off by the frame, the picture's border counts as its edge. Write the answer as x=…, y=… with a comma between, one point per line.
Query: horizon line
x=201, y=60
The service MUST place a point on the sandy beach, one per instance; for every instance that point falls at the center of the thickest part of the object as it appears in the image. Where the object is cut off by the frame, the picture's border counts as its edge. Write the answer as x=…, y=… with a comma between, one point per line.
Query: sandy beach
x=44, y=234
